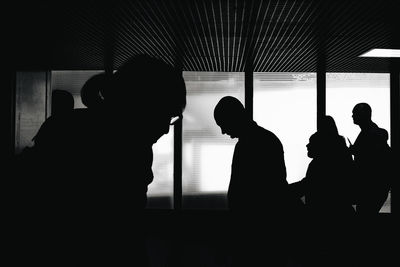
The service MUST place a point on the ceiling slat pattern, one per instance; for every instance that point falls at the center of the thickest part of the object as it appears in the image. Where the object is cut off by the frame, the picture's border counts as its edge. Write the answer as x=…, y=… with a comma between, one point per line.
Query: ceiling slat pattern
x=206, y=35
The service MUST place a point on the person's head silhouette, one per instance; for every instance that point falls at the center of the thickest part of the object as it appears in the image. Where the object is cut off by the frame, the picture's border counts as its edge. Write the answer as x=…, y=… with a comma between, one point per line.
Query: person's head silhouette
x=92, y=90
x=61, y=102
x=150, y=91
x=314, y=146
x=362, y=114
x=230, y=116
x=328, y=126
x=326, y=140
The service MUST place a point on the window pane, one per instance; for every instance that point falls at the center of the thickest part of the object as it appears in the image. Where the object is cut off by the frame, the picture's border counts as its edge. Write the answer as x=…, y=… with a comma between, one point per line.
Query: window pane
x=72, y=81
x=345, y=90
x=285, y=103
x=30, y=106
x=160, y=191
x=207, y=154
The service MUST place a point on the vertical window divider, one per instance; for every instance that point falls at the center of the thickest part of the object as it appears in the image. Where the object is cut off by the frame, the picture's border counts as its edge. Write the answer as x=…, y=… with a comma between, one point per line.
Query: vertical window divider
x=48, y=94
x=321, y=95
x=249, y=91
x=395, y=127
x=177, y=166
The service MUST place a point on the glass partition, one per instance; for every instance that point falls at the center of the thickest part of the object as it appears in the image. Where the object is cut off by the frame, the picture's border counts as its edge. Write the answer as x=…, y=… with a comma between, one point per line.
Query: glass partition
x=207, y=154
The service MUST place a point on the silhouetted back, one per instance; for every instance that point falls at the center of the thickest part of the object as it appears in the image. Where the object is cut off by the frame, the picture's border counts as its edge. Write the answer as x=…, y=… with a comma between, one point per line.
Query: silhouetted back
x=258, y=193
x=373, y=162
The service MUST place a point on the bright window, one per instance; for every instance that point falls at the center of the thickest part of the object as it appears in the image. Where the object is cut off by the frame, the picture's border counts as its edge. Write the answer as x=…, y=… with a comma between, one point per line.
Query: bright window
x=285, y=103
x=207, y=154
x=160, y=191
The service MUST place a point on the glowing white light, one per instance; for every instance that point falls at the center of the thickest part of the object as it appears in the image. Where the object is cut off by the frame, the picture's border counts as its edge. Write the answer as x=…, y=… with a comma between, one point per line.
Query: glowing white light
x=382, y=53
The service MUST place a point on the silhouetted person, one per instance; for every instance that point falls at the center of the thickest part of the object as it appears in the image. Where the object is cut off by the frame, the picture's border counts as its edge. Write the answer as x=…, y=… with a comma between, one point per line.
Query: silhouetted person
x=258, y=193
x=61, y=102
x=372, y=160
x=89, y=197
x=93, y=89
x=146, y=96
x=328, y=190
x=328, y=185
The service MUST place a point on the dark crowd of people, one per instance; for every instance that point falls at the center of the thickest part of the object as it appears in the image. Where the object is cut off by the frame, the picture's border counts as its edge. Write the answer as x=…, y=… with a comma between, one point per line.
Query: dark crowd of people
x=93, y=213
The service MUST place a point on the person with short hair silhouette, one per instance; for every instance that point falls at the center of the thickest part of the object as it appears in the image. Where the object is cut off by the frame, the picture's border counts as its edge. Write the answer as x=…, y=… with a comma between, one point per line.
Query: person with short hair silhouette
x=93, y=89
x=61, y=102
x=258, y=194
x=372, y=161
x=146, y=98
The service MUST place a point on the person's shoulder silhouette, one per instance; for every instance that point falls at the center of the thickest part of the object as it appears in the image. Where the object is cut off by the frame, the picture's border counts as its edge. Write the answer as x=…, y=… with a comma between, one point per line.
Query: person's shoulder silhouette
x=329, y=175
x=258, y=161
x=62, y=104
x=373, y=161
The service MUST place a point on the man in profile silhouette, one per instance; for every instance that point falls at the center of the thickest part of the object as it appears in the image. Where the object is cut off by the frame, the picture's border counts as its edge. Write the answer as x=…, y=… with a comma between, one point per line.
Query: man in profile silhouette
x=372, y=161
x=258, y=193
x=146, y=97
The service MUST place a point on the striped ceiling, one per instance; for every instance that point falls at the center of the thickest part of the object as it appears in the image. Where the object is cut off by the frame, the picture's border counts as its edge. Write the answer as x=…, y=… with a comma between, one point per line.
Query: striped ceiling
x=213, y=35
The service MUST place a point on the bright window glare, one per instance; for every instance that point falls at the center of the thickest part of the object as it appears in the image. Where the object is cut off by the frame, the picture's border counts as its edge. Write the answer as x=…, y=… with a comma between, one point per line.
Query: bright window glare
x=285, y=103
x=345, y=90
x=382, y=53
x=207, y=154
x=215, y=170
x=163, y=154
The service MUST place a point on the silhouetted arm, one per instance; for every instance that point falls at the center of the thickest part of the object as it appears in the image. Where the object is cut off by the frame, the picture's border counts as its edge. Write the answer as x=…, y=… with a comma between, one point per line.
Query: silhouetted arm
x=298, y=189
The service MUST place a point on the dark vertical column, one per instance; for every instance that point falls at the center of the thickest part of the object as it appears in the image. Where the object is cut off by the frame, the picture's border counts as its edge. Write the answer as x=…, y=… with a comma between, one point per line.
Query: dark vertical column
x=248, y=91
x=48, y=94
x=321, y=29
x=178, y=165
x=395, y=129
x=321, y=95
x=7, y=116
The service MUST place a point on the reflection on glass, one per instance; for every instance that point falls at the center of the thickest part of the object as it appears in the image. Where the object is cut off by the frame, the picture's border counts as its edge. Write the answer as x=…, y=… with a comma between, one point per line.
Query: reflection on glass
x=285, y=103
x=207, y=154
x=345, y=90
x=160, y=191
